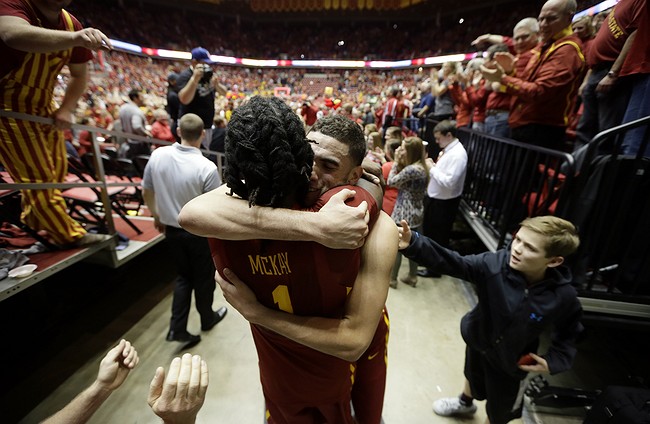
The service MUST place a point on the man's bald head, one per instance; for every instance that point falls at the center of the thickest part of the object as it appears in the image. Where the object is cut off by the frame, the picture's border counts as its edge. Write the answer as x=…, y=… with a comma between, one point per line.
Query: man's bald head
x=525, y=35
x=555, y=16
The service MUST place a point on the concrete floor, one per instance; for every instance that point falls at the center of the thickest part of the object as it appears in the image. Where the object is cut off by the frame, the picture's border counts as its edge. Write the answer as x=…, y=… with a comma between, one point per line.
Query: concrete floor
x=426, y=356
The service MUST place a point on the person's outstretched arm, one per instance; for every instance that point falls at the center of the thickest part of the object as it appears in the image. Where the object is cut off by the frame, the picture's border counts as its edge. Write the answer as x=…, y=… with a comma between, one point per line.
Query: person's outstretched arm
x=219, y=215
x=346, y=338
x=113, y=370
x=19, y=34
x=181, y=396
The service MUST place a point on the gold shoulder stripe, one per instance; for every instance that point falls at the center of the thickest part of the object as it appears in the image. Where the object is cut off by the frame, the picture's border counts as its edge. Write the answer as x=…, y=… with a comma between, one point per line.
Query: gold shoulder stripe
x=68, y=20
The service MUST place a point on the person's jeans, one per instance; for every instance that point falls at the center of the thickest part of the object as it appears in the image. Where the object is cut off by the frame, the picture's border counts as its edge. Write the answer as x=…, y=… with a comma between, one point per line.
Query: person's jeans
x=497, y=125
x=601, y=111
x=638, y=107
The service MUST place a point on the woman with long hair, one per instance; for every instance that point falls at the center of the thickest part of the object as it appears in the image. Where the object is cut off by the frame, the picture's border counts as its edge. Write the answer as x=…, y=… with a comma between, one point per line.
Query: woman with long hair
x=410, y=176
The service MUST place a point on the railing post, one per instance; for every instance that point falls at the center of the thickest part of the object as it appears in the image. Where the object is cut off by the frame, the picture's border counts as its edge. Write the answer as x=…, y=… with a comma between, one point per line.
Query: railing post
x=101, y=177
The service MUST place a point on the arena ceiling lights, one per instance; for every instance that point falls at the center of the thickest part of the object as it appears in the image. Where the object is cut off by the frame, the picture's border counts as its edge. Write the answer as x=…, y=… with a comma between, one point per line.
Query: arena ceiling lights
x=270, y=63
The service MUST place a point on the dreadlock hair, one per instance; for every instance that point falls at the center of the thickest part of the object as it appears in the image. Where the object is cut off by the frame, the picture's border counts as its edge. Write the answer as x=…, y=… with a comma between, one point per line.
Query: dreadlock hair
x=345, y=131
x=266, y=147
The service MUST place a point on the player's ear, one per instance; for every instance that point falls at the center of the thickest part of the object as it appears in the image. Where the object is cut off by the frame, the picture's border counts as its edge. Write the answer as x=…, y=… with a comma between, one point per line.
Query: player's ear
x=355, y=174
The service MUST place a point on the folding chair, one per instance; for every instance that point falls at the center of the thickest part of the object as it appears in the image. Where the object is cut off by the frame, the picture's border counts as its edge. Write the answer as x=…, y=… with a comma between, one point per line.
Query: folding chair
x=140, y=162
x=122, y=170
x=85, y=203
x=11, y=209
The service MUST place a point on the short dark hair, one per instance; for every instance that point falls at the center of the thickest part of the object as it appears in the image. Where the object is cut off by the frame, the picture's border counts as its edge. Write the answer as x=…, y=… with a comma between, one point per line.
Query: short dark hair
x=134, y=94
x=346, y=131
x=394, y=132
x=266, y=147
x=445, y=127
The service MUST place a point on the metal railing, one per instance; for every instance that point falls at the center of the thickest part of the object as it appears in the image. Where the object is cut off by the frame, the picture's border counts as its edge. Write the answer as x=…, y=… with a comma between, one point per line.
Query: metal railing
x=610, y=204
x=100, y=183
x=607, y=197
x=508, y=180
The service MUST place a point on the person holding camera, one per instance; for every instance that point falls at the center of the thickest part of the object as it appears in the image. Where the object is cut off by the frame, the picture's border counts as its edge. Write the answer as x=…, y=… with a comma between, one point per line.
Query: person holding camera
x=197, y=86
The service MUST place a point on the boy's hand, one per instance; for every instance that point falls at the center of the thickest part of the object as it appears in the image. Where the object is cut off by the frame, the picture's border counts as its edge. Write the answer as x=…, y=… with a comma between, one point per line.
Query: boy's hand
x=540, y=366
x=404, y=235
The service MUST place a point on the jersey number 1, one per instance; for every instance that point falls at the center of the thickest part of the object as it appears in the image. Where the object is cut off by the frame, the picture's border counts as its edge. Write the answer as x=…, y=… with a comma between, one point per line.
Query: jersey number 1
x=282, y=299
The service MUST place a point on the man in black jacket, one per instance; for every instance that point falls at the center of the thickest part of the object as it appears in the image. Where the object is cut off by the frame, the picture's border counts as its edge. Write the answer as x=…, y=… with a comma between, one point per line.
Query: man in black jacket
x=173, y=103
x=521, y=291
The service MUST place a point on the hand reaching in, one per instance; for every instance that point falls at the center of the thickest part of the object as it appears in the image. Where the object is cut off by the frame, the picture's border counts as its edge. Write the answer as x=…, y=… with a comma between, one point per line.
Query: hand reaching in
x=116, y=365
x=181, y=396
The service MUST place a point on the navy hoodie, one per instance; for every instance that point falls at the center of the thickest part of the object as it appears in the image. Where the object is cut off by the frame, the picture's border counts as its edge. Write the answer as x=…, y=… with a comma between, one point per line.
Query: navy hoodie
x=510, y=315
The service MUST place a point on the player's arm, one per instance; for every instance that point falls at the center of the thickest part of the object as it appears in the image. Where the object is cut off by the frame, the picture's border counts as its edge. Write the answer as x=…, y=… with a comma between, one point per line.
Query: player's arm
x=346, y=338
x=217, y=214
x=19, y=34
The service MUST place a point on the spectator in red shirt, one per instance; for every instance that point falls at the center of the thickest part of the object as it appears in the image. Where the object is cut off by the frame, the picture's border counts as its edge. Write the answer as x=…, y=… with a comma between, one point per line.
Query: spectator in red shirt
x=160, y=129
x=637, y=68
x=604, y=96
x=546, y=89
x=584, y=29
x=308, y=112
x=37, y=39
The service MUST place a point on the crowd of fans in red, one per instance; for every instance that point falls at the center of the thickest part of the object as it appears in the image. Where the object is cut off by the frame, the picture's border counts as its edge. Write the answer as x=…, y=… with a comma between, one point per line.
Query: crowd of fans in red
x=362, y=92
x=159, y=26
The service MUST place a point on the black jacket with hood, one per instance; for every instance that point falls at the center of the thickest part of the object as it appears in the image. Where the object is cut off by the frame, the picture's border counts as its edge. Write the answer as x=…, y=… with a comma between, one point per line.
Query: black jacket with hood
x=510, y=315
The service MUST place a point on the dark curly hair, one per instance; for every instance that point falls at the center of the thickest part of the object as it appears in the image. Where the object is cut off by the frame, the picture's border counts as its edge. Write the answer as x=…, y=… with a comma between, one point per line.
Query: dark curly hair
x=267, y=149
x=346, y=131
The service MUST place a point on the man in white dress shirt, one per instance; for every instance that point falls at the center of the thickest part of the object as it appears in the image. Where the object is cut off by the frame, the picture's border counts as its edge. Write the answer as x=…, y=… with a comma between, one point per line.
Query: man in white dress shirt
x=173, y=176
x=446, y=181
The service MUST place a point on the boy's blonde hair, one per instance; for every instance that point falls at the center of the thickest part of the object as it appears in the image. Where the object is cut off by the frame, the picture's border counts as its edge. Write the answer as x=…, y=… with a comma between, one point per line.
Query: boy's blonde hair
x=562, y=236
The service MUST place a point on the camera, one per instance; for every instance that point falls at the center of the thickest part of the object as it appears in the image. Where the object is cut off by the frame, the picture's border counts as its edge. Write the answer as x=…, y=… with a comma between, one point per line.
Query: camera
x=207, y=73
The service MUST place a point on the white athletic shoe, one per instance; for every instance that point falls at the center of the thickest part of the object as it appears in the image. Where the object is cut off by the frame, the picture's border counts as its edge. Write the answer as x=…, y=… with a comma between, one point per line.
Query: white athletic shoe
x=451, y=406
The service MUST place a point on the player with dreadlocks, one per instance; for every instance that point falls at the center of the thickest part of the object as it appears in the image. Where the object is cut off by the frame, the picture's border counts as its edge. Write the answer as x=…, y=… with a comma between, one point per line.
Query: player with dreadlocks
x=307, y=349
x=269, y=161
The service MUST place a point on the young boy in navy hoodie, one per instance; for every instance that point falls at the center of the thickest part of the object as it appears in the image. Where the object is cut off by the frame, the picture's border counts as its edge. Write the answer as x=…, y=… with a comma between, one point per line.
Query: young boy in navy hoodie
x=522, y=290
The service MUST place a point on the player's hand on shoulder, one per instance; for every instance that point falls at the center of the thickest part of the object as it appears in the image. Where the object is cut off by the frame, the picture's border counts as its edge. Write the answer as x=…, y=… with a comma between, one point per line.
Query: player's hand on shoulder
x=343, y=226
